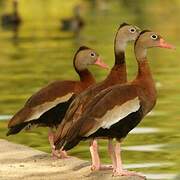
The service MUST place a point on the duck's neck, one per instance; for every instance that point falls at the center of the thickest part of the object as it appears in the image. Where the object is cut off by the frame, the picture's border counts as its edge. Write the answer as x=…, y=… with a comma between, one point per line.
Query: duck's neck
x=119, y=58
x=119, y=49
x=144, y=73
x=144, y=77
x=118, y=73
x=85, y=76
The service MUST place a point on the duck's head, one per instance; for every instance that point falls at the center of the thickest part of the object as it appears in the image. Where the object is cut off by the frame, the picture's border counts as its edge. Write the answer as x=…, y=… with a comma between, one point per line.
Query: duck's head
x=149, y=39
x=126, y=33
x=86, y=56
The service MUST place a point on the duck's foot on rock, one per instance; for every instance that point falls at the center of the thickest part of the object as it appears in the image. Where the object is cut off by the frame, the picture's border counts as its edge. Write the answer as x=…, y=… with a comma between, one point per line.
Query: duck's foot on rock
x=128, y=173
x=58, y=154
x=101, y=167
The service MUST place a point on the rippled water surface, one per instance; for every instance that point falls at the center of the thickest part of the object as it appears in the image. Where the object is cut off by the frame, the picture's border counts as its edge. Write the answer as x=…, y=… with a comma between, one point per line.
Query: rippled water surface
x=40, y=53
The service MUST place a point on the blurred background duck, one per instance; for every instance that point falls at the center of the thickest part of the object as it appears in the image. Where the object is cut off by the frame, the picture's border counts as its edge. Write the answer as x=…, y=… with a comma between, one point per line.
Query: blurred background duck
x=12, y=20
x=74, y=23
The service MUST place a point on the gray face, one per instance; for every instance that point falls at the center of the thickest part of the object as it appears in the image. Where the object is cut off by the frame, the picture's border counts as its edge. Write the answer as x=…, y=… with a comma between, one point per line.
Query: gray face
x=149, y=39
x=129, y=32
x=85, y=57
x=124, y=35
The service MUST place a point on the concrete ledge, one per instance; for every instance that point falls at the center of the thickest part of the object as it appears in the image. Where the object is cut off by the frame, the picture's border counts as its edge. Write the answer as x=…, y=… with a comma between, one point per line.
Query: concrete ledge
x=24, y=163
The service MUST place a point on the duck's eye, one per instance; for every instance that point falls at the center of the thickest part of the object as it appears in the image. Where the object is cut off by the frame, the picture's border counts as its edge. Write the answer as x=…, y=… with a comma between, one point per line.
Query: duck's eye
x=132, y=30
x=154, y=37
x=92, y=54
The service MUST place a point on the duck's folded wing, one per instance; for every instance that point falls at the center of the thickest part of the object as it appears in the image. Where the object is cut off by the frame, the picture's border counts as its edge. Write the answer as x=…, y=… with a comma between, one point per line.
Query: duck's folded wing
x=110, y=109
x=104, y=110
x=42, y=101
x=75, y=112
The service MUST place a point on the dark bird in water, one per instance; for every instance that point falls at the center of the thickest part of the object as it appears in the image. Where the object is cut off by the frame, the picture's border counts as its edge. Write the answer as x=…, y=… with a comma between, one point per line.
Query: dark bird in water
x=75, y=23
x=12, y=20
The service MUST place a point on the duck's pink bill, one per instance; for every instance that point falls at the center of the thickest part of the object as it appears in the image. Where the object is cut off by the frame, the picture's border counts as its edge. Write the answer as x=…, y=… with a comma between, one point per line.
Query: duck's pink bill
x=164, y=44
x=100, y=63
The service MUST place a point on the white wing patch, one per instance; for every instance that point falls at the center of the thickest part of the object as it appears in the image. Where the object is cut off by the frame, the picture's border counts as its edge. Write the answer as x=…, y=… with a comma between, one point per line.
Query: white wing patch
x=41, y=109
x=116, y=114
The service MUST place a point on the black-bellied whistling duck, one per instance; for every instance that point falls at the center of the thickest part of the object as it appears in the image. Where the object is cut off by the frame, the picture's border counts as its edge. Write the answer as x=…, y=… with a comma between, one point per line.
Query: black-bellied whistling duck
x=75, y=23
x=115, y=111
x=12, y=20
x=125, y=34
x=47, y=107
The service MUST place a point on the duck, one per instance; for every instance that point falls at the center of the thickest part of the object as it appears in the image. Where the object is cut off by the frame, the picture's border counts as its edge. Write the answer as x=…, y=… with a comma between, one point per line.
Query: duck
x=118, y=75
x=115, y=111
x=75, y=23
x=47, y=107
x=13, y=19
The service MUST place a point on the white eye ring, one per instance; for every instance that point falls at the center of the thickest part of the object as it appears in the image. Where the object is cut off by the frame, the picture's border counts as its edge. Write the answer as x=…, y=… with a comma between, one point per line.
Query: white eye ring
x=132, y=30
x=154, y=36
x=92, y=54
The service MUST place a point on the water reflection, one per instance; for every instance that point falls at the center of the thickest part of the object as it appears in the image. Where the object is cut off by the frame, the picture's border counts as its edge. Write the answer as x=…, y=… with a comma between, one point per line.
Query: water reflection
x=12, y=21
x=146, y=148
x=144, y=130
x=5, y=117
x=160, y=176
x=147, y=165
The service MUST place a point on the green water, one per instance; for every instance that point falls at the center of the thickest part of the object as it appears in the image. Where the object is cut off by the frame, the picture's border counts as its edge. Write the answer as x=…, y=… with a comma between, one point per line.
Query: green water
x=42, y=53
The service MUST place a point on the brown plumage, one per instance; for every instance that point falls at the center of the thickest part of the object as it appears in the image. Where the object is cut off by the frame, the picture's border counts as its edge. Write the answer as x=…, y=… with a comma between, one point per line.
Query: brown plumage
x=117, y=75
x=118, y=109
x=55, y=94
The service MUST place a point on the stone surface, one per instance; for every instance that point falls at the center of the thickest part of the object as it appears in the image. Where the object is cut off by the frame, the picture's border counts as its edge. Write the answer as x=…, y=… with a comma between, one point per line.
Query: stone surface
x=24, y=163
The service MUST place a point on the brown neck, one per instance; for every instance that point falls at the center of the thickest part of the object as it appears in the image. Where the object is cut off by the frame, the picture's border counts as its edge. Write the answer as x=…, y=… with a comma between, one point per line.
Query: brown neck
x=144, y=77
x=144, y=72
x=86, y=76
x=118, y=73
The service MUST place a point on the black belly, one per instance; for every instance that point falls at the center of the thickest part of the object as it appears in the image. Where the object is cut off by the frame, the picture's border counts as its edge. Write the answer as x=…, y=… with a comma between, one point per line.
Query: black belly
x=54, y=116
x=51, y=118
x=121, y=128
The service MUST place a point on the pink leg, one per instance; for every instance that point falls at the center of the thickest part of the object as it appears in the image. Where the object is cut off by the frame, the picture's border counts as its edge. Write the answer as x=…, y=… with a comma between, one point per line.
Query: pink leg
x=63, y=154
x=96, y=164
x=94, y=155
x=119, y=169
x=112, y=153
x=55, y=153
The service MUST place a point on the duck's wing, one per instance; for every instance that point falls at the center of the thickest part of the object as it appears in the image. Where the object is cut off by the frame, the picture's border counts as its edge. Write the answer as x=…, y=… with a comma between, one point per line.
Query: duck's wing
x=104, y=110
x=42, y=101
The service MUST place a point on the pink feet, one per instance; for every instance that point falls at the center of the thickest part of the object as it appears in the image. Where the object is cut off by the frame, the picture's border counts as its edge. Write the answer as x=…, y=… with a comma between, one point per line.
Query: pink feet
x=127, y=173
x=56, y=154
x=94, y=167
x=115, y=153
x=101, y=167
x=94, y=155
x=63, y=154
x=96, y=164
